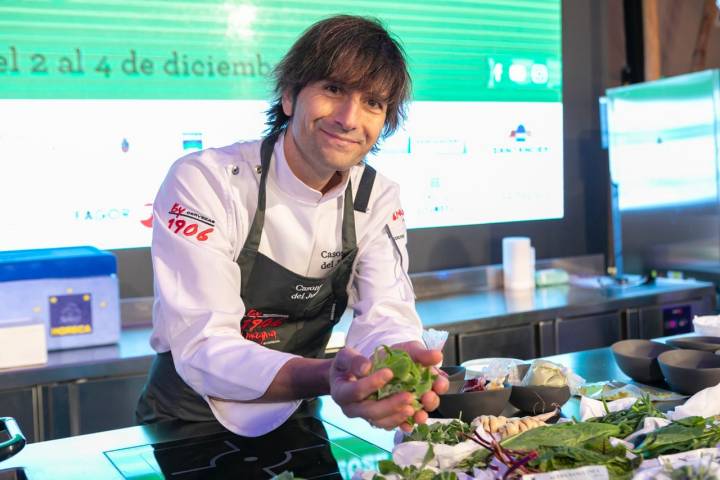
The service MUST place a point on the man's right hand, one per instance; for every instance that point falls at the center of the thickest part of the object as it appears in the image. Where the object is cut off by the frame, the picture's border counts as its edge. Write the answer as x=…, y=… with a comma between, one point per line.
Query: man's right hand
x=351, y=384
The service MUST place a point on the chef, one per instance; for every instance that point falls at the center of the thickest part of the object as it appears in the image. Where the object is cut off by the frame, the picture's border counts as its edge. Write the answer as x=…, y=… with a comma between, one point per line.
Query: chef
x=259, y=247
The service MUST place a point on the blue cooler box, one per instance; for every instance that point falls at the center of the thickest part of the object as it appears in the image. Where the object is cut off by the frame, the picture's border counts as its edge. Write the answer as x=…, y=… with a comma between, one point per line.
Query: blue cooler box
x=73, y=291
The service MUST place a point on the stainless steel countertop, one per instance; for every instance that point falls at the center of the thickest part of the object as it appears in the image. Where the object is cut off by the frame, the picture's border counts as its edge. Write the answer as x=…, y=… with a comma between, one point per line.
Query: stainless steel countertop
x=459, y=313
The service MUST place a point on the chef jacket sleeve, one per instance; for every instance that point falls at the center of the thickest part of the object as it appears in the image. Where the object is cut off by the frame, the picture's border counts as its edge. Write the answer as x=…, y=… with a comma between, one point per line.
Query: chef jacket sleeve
x=381, y=293
x=198, y=308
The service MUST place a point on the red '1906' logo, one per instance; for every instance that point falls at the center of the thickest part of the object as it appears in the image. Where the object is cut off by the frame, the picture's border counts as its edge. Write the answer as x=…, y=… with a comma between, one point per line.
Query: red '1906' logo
x=188, y=229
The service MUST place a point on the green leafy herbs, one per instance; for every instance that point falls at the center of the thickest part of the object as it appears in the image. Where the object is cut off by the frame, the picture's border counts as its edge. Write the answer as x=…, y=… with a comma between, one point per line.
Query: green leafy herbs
x=408, y=376
x=448, y=433
x=563, y=435
x=683, y=435
x=572, y=445
x=561, y=458
x=632, y=418
x=411, y=472
x=480, y=458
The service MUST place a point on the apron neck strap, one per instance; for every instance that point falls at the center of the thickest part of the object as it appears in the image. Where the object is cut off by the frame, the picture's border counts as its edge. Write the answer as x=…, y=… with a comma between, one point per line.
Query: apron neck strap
x=252, y=243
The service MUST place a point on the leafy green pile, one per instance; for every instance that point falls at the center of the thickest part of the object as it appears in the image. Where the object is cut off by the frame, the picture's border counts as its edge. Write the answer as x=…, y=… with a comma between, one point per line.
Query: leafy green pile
x=631, y=419
x=448, y=433
x=572, y=445
x=683, y=435
x=411, y=472
x=408, y=376
x=562, y=458
x=562, y=435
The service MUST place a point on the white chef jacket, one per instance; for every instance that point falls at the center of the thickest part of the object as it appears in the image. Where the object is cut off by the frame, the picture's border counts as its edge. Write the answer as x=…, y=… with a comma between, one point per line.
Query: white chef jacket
x=198, y=309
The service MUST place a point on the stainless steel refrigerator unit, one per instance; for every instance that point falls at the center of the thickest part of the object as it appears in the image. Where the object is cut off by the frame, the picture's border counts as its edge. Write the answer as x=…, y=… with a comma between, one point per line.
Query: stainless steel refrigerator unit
x=663, y=140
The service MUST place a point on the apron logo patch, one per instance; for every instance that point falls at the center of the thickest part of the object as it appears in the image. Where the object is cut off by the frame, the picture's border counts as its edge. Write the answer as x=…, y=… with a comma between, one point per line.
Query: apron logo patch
x=305, y=292
x=330, y=259
x=262, y=328
x=195, y=225
x=398, y=214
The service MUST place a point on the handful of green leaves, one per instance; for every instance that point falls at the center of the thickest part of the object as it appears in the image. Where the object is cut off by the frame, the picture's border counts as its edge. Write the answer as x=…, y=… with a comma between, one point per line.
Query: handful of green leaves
x=408, y=376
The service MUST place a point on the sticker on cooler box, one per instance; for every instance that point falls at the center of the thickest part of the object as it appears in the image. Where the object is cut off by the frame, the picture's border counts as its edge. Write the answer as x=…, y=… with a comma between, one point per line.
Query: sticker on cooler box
x=70, y=314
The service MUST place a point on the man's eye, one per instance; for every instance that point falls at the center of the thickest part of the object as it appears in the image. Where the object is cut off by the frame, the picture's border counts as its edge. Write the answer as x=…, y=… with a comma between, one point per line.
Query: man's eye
x=372, y=103
x=332, y=88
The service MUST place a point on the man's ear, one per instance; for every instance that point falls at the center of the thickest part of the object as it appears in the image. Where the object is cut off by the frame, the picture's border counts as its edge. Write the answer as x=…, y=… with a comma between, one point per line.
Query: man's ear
x=288, y=102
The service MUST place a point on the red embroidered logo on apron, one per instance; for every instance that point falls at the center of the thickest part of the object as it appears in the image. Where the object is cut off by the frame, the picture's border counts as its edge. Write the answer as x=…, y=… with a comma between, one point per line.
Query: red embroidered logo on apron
x=261, y=327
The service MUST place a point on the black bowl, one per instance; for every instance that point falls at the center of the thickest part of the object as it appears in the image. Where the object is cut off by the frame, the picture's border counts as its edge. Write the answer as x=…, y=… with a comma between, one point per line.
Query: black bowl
x=470, y=405
x=708, y=344
x=537, y=399
x=456, y=377
x=638, y=359
x=689, y=371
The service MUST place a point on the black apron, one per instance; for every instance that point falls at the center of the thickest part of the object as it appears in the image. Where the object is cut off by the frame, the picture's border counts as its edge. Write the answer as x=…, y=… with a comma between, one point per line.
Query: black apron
x=284, y=311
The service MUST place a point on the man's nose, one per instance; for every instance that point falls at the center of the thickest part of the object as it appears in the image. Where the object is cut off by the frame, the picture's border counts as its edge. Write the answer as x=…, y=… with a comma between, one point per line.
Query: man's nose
x=347, y=112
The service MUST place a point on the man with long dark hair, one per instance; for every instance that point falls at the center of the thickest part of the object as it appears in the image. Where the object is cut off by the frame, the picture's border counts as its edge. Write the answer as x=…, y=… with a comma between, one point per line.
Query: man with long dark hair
x=260, y=246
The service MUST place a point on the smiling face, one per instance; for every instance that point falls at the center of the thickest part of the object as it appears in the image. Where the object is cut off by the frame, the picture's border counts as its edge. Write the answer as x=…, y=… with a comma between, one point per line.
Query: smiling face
x=331, y=128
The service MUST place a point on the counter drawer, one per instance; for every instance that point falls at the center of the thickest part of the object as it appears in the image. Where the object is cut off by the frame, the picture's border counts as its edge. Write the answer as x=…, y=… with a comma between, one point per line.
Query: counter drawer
x=516, y=342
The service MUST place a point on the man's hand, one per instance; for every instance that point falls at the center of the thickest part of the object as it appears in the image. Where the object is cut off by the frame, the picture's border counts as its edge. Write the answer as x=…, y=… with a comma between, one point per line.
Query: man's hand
x=430, y=400
x=351, y=384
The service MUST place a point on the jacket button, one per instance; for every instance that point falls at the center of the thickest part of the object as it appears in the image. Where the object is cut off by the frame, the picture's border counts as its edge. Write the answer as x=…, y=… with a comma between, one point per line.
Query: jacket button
x=235, y=170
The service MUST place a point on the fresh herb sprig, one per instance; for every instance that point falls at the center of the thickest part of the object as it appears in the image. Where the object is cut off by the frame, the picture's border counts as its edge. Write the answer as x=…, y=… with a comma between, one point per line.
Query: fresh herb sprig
x=632, y=418
x=450, y=433
x=408, y=376
x=683, y=435
x=411, y=472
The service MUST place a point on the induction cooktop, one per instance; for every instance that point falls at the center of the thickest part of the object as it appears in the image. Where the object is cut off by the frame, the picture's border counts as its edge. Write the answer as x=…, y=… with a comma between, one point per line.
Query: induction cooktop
x=307, y=447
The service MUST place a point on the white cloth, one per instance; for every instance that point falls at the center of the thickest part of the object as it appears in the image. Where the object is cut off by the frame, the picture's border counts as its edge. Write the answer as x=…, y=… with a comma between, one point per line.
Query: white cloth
x=198, y=309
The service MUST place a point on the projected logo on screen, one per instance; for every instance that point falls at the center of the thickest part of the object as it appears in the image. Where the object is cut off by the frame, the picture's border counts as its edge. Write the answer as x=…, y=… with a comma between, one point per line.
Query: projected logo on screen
x=521, y=141
x=520, y=133
x=100, y=214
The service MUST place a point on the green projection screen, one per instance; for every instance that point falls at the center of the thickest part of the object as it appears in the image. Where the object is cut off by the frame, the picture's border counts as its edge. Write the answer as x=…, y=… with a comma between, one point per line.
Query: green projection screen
x=98, y=98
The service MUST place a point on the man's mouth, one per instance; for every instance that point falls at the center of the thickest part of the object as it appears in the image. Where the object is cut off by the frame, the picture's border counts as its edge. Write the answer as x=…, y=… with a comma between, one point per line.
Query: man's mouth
x=340, y=138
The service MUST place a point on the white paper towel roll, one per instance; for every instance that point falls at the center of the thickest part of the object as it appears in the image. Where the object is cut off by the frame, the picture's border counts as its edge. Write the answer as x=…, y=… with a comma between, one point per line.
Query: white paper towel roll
x=518, y=263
